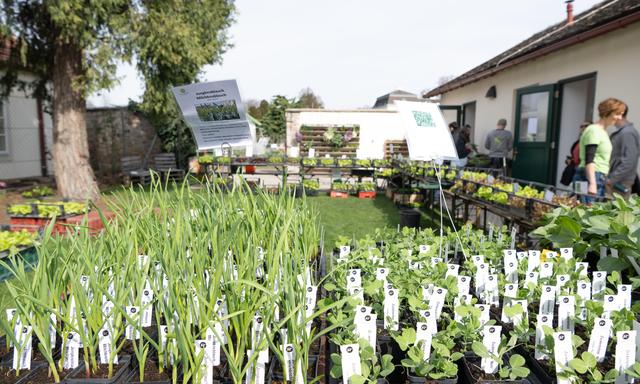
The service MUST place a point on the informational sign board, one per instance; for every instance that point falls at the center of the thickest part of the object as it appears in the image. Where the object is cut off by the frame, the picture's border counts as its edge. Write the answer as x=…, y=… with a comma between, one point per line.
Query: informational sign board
x=215, y=113
x=427, y=133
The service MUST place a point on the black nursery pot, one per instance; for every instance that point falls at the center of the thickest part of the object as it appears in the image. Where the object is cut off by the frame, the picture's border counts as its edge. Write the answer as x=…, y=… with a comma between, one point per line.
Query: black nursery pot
x=468, y=375
x=387, y=345
x=423, y=380
x=536, y=368
x=276, y=374
x=119, y=376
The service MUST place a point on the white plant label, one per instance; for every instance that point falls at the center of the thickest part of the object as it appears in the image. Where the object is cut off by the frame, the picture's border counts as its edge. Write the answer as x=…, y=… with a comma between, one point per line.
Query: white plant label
x=357, y=293
x=482, y=273
x=561, y=281
x=491, y=290
x=624, y=296
x=22, y=351
x=311, y=298
x=511, y=291
x=344, y=251
x=522, y=256
x=583, y=267
x=464, y=284
x=350, y=358
x=147, y=307
x=625, y=354
x=491, y=340
x=584, y=293
x=562, y=349
x=423, y=248
x=436, y=301
x=531, y=277
x=546, y=270
x=206, y=369
x=366, y=328
x=566, y=253
x=611, y=303
x=71, y=352
x=567, y=313
x=391, y=309
x=256, y=334
x=362, y=310
x=213, y=342
x=143, y=260
x=52, y=330
x=547, y=300
x=511, y=266
x=354, y=281
x=424, y=334
x=430, y=319
x=477, y=259
x=636, y=327
x=533, y=261
x=546, y=320
x=105, y=347
x=599, y=338
x=484, y=313
x=427, y=292
x=413, y=265
x=131, y=331
x=599, y=283
x=452, y=270
x=382, y=274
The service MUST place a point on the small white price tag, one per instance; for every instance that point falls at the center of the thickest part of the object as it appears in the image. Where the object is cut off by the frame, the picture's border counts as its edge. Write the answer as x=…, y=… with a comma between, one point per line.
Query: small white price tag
x=599, y=338
x=491, y=294
x=625, y=354
x=256, y=331
x=354, y=280
x=546, y=320
x=452, y=270
x=427, y=292
x=391, y=309
x=424, y=334
x=562, y=350
x=482, y=273
x=477, y=259
x=143, y=261
x=357, y=293
x=350, y=358
x=566, y=253
x=464, y=284
x=547, y=300
x=362, y=310
x=311, y=299
x=344, y=251
x=546, y=270
x=567, y=313
x=105, y=347
x=548, y=195
x=213, y=343
x=22, y=351
x=624, y=295
x=423, y=248
x=511, y=291
x=491, y=340
x=533, y=261
x=521, y=256
x=583, y=268
x=599, y=283
x=430, y=319
x=71, y=353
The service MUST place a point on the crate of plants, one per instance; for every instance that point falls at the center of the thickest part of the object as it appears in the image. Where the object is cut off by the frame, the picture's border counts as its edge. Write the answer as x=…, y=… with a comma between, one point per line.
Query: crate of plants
x=327, y=162
x=310, y=162
x=367, y=190
x=341, y=189
x=185, y=287
x=310, y=187
x=363, y=163
x=497, y=315
x=14, y=245
x=38, y=192
x=35, y=215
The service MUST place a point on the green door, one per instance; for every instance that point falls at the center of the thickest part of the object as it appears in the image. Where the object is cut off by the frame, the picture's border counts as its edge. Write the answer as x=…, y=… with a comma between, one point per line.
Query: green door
x=533, y=134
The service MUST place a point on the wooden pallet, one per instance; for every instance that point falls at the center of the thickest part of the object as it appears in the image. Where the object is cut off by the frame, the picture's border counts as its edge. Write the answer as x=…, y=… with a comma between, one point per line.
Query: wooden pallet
x=312, y=137
x=394, y=147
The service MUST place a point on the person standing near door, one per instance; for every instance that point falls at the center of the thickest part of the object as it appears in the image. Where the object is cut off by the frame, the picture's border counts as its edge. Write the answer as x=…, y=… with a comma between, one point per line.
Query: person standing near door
x=624, y=157
x=595, y=149
x=499, y=142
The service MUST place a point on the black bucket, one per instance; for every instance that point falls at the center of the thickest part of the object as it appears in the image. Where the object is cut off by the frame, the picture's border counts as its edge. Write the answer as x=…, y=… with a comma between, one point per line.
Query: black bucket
x=409, y=218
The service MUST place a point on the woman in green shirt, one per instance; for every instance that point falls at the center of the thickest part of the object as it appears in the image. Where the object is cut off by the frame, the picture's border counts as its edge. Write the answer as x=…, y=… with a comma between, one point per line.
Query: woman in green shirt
x=595, y=149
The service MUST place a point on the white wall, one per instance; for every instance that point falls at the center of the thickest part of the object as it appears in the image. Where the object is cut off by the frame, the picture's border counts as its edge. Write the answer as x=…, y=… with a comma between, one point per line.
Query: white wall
x=21, y=122
x=615, y=57
x=376, y=126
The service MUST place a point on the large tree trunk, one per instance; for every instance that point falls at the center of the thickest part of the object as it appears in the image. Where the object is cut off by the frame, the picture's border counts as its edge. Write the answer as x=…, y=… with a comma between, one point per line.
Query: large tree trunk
x=74, y=177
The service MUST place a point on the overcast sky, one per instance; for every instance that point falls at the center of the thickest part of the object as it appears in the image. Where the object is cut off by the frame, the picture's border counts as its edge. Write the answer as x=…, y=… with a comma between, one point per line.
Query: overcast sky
x=352, y=51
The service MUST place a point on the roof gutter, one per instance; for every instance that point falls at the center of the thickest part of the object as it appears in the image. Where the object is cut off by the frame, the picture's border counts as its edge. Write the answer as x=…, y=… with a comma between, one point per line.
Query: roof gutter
x=579, y=38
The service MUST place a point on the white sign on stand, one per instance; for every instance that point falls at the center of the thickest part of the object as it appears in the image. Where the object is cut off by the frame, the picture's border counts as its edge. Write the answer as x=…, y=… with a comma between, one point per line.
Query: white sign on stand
x=426, y=131
x=215, y=113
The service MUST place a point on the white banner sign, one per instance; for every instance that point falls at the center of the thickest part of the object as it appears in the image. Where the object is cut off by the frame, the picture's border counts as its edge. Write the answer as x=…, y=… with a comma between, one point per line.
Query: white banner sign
x=215, y=113
x=427, y=134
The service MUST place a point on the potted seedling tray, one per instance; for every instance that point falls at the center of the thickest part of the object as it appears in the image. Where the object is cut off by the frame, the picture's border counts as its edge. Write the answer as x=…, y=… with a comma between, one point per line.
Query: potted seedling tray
x=120, y=373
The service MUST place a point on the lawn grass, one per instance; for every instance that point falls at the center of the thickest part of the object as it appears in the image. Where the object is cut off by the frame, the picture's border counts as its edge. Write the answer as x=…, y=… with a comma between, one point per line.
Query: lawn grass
x=353, y=217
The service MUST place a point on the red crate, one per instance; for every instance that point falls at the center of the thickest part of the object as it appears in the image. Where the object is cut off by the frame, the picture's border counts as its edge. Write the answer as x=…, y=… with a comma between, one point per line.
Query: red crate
x=339, y=195
x=367, y=195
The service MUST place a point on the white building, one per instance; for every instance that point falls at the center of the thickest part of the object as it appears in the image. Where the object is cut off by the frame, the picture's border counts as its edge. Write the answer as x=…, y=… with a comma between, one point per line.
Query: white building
x=25, y=136
x=548, y=84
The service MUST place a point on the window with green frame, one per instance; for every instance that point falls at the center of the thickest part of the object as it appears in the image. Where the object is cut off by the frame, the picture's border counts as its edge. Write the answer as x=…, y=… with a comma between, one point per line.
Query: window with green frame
x=4, y=143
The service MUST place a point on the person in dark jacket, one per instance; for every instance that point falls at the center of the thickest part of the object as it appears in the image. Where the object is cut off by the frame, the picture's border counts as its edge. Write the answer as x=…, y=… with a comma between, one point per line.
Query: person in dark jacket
x=625, y=151
x=499, y=142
